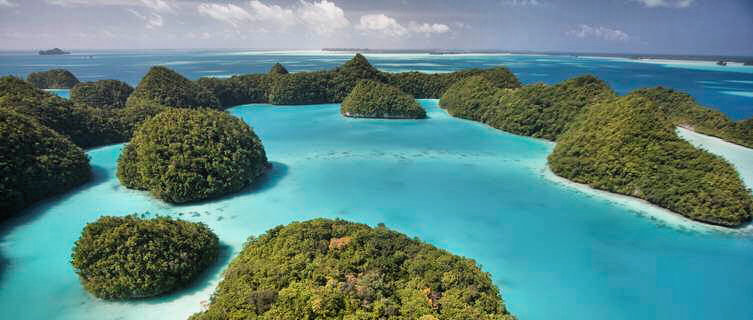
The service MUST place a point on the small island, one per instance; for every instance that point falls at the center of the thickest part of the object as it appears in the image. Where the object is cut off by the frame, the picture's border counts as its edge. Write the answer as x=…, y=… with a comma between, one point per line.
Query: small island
x=168, y=88
x=53, y=79
x=107, y=94
x=121, y=258
x=185, y=155
x=53, y=52
x=371, y=99
x=335, y=269
x=35, y=162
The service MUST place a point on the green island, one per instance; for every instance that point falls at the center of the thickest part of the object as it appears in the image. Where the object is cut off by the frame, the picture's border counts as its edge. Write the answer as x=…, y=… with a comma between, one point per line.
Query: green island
x=166, y=87
x=102, y=93
x=53, y=79
x=121, y=258
x=334, y=269
x=372, y=99
x=35, y=162
x=185, y=155
x=625, y=145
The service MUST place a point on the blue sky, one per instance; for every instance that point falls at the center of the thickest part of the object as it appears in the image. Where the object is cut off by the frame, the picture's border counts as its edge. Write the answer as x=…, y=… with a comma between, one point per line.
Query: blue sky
x=646, y=26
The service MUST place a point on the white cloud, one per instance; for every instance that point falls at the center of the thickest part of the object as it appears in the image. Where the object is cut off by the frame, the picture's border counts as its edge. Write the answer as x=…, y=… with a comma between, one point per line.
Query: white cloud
x=153, y=20
x=599, y=32
x=159, y=5
x=666, y=3
x=229, y=13
x=200, y=35
x=521, y=3
x=388, y=26
x=272, y=14
x=7, y=4
x=323, y=17
x=383, y=24
x=426, y=28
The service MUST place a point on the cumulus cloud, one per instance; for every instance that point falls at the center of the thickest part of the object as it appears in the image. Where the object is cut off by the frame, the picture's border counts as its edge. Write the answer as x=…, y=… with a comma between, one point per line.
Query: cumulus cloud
x=229, y=13
x=598, y=32
x=383, y=24
x=666, y=3
x=7, y=4
x=321, y=17
x=388, y=26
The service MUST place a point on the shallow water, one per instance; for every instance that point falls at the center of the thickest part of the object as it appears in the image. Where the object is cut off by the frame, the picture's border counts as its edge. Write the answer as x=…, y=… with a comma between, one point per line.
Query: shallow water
x=554, y=251
x=624, y=75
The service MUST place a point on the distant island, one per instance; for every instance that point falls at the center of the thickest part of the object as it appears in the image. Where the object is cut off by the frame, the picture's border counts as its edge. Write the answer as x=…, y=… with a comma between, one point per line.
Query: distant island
x=52, y=52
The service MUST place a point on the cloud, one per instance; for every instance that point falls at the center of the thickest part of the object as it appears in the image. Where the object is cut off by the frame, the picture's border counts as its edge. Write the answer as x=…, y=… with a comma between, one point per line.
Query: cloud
x=229, y=13
x=666, y=3
x=153, y=20
x=598, y=32
x=388, y=26
x=323, y=17
x=426, y=28
x=383, y=24
x=521, y=3
x=7, y=4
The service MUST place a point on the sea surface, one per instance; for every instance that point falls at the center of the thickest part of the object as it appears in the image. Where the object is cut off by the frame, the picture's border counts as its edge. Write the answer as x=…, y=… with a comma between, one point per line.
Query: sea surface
x=556, y=250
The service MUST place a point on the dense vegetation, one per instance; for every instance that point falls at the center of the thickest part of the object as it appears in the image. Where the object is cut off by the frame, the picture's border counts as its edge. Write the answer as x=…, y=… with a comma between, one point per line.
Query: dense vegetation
x=538, y=110
x=333, y=269
x=53, y=79
x=129, y=257
x=332, y=86
x=102, y=93
x=85, y=126
x=184, y=155
x=683, y=110
x=628, y=146
x=371, y=99
x=168, y=88
x=35, y=162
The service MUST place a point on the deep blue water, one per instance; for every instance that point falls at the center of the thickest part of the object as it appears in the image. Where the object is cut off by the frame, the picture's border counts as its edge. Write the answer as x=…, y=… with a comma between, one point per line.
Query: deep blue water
x=554, y=251
x=729, y=88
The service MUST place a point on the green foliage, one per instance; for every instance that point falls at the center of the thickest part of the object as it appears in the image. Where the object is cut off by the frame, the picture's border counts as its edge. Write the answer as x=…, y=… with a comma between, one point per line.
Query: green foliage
x=433, y=86
x=35, y=162
x=537, y=110
x=334, y=269
x=168, y=88
x=332, y=86
x=278, y=69
x=299, y=88
x=85, y=126
x=184, y=155
x=129, y=257
x=371, y=99
x=53, y=79
x=102, y=93
x=683, y=111
x=628, y=146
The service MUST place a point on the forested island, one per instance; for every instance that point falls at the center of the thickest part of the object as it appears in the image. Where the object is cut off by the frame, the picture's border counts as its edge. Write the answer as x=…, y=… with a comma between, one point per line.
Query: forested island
x=53, y=52
x=371, y=99
x=625, y=145
x=107, y=111
x=121, y=258
x=334, y=269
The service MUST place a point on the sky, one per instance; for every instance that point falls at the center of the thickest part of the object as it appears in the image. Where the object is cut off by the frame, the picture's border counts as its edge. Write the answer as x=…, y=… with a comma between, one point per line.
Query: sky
x=711, y=27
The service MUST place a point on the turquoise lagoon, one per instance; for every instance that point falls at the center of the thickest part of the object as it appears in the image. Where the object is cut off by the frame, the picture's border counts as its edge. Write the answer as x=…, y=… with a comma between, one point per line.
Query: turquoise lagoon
x=554, y=251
